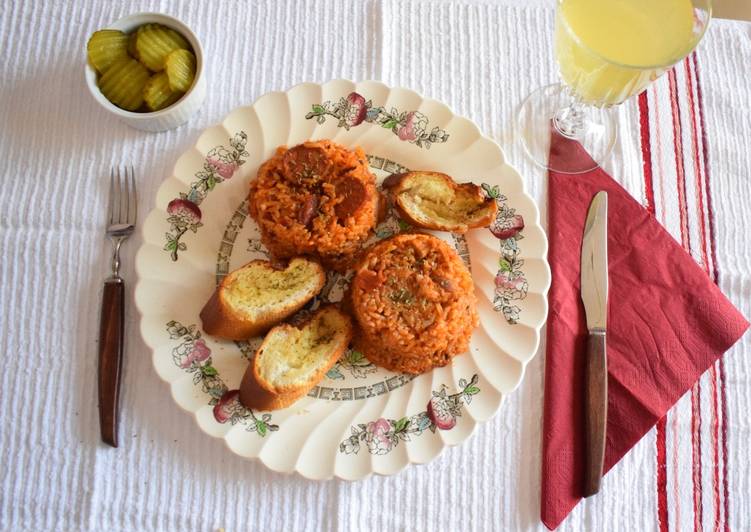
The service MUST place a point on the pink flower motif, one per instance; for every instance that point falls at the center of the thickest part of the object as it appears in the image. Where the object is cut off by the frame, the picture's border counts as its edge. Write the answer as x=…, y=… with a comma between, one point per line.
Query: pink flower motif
x=439, y=412
x=508, y=228
x=227, y=404
x=506, y=280
x=187, y=210
x=356, y=110
x=199, y=353
x=377, y=436
x=407, y=131
x=225, y=170
x=510, y=285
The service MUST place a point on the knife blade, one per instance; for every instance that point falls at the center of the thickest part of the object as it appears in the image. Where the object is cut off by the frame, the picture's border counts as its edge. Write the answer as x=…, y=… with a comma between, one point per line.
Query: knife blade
x=594, y=294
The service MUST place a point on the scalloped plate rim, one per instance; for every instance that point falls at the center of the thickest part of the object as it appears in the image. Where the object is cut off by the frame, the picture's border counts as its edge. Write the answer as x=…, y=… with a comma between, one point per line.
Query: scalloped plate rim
x=473, y=424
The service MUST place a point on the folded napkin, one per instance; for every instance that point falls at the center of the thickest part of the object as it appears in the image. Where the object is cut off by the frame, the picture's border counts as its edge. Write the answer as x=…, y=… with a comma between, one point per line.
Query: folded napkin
x=667, y=323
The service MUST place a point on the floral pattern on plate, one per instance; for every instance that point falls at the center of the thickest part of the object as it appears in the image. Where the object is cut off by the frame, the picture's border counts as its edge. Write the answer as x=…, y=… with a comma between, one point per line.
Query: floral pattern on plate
x=194, y=356
x=354, y=109
x=382, y=435
x=510, y=282
x=355, y=363
x=184, y=212
x=216, y=366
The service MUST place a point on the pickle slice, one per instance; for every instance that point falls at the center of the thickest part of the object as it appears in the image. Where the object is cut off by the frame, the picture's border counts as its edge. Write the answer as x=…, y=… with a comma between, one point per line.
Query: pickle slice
x=105, y=47
x=155, y=42
x=157, y=93
x=123, y=83
x=132, y=37
x=180, y=67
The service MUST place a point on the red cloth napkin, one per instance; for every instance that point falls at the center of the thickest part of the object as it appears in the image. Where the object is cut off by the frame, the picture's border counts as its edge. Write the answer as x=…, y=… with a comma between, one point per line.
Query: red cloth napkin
x=667, y=323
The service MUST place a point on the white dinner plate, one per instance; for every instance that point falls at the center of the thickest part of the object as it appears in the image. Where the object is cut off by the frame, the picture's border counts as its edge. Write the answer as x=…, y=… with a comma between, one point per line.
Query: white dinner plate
x=360, y=419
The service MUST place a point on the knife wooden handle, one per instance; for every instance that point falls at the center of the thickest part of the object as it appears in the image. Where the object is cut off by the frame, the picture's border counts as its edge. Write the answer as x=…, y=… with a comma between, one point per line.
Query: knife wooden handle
x=110, y=358
x=596, y=414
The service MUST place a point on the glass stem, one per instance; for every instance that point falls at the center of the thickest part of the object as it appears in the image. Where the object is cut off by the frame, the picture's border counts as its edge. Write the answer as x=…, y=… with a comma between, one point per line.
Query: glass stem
x=569, y=120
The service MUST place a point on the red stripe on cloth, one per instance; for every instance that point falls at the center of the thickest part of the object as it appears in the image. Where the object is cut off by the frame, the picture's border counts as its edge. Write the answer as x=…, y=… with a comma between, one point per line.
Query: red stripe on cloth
x=705, y=150
x=715, y=448
x=697, y=166
x=696, y=453
x=716, y=275
x=691, y=81
x=662, y=473
x=678, y=151
x=646, y=152
x=724, y=431
x=686, y=241
x=676, y=507
x=662, y=476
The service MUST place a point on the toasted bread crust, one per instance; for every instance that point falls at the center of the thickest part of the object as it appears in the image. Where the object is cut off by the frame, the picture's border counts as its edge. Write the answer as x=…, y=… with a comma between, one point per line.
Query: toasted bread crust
x=219, y=319
x=399, y=184
x=259, y=394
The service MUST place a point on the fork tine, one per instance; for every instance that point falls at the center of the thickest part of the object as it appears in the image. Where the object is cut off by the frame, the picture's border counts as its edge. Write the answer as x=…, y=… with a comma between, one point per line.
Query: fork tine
x=119, y=196
x=111, y=200
x=133, y=211
x=126, y=199
x=123, y=195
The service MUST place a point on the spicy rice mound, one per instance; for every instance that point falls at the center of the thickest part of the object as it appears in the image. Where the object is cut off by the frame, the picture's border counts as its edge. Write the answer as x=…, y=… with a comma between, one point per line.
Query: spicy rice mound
x=414, y=301
x=317, y=199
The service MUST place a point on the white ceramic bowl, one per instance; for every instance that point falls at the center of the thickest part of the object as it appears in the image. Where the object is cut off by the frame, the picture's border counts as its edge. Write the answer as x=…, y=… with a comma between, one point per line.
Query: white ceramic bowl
x=177, y=113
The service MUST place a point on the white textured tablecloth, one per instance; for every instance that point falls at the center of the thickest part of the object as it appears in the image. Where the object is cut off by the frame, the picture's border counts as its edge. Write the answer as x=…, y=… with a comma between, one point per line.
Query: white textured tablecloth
x=56, y=148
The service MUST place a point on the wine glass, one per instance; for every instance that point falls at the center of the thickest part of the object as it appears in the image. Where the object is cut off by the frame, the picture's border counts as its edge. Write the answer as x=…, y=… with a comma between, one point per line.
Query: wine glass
x=607, y=51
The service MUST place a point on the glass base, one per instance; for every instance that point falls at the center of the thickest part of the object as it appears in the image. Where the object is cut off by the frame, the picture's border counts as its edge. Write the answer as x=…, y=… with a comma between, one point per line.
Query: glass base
x=593, y=127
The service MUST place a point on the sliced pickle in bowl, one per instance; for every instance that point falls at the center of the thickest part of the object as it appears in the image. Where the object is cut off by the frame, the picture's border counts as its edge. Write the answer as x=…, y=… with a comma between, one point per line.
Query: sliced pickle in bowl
x=132, y=37
x=105, y=47
x=181, y=69
x=123, y=83
x=144, y=70
x=155, y=42
x=157, y=93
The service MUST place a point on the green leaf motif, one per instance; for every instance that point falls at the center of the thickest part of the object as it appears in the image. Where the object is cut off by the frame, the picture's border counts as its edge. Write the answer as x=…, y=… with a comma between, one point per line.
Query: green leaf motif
x=504, y=265
x=209, y=371
x=401, y=425
x=261, y=428
x=355, y=357
x=390, y=124
x=492, y=192
x=472, y=390
x=318, y=109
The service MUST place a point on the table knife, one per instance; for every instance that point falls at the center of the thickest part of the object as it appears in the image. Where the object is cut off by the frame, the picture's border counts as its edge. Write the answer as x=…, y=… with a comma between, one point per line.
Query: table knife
x=594, y=294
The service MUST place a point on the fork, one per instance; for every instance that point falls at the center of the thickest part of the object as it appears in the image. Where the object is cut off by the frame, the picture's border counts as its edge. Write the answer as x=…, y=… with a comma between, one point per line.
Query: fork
x=121, y=215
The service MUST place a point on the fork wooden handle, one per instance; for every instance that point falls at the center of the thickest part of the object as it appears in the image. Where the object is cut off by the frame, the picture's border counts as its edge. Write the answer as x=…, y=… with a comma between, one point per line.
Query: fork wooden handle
x=110, y=358
x=596, y=413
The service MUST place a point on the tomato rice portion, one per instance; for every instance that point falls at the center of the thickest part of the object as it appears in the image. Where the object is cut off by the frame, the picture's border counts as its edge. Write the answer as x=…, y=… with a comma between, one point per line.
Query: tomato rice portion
x=317, y=199
x=413, y=299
